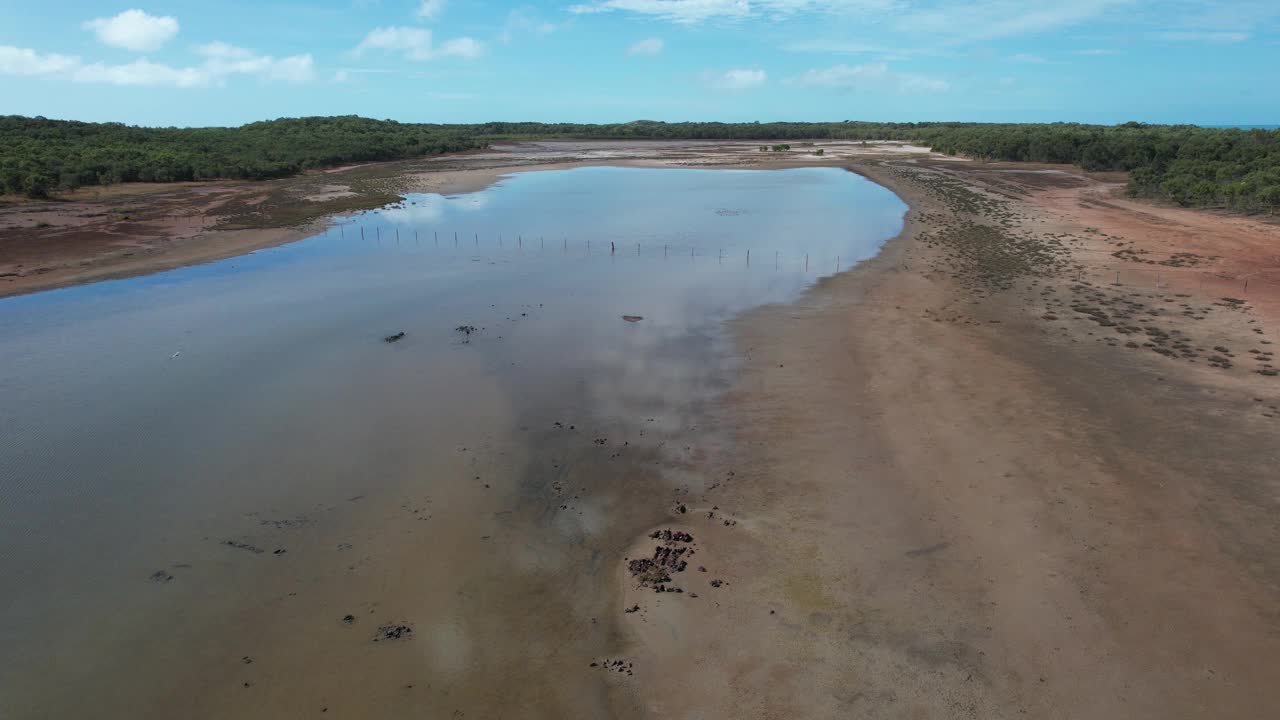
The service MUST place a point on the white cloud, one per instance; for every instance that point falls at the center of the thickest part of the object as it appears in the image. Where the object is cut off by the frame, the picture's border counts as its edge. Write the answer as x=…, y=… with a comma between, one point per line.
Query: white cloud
x=694, y=11
x=647, y=46
x=1203, y=36
x=28, y=62
x=134, y=30
x=430, y=9
x=929, y=26
x=141, y=72
x=221, y=61
x=524, y=21
x=463, y=47
x=870, y=77
x=960, y=21
x=736, y=79
x=1215, y=20
x=1096, y=51
x=416, y=44
x=1028, y=58
x=682, y=11
x=841, y=47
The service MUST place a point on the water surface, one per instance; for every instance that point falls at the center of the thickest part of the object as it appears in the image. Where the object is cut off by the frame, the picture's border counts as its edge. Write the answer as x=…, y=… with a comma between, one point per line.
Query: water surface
x=204, y=471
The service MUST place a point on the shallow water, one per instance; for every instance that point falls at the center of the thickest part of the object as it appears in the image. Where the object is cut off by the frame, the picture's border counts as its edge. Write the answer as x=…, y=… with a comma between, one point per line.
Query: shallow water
x=147, y=423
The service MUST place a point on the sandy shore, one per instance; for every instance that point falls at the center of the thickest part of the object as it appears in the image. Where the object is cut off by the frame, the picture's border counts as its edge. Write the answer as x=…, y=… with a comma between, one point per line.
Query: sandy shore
x=970, y=482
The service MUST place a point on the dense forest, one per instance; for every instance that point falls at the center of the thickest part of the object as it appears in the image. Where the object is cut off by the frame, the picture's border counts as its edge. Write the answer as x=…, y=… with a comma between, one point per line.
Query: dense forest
x=39, y=156
x=1185, y=164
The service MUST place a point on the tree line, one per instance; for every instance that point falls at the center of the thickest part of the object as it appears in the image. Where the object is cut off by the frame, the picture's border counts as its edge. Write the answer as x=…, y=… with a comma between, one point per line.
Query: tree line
x=1185, y=164
x=39, y=156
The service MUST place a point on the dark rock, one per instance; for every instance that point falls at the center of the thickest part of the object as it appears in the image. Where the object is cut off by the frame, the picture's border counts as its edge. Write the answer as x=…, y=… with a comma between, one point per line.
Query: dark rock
x=394, y=632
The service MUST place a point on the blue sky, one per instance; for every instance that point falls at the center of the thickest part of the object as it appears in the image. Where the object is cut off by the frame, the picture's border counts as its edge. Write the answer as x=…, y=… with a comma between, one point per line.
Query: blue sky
x=195, y=62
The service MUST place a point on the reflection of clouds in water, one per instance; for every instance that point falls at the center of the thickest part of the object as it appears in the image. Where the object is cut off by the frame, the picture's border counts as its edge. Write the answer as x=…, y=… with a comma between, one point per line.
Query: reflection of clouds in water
x=431, y=208
x=284, y=347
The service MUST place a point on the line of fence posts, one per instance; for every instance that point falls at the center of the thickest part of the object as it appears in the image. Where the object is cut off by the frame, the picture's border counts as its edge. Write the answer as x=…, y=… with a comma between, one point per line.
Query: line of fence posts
x=1161, y=278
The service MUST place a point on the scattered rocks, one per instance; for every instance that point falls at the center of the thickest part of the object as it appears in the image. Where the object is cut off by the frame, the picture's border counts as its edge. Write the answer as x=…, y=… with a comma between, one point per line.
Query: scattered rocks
x=633, y=318
x=348, y=619
x=160, y=576
x=668, y=558
x=243, y=546
x=618, y=666
x=394, y=338
x=394, y=632
x=671, y=536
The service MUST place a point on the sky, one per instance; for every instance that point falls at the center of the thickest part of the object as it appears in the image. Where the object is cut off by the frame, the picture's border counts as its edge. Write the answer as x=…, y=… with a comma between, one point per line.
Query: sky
x=200, y=63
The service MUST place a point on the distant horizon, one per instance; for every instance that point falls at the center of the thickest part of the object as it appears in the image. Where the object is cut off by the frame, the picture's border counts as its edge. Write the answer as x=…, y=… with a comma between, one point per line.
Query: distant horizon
x=178, y=63
x=1242, y=126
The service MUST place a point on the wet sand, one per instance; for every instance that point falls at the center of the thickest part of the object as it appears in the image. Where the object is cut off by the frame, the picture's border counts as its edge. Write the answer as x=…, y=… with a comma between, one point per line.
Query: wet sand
x=960, y=492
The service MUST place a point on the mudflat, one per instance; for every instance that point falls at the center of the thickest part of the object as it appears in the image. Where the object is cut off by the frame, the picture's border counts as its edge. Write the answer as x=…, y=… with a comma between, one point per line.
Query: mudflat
x=981, y=476
x=1020, y=464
